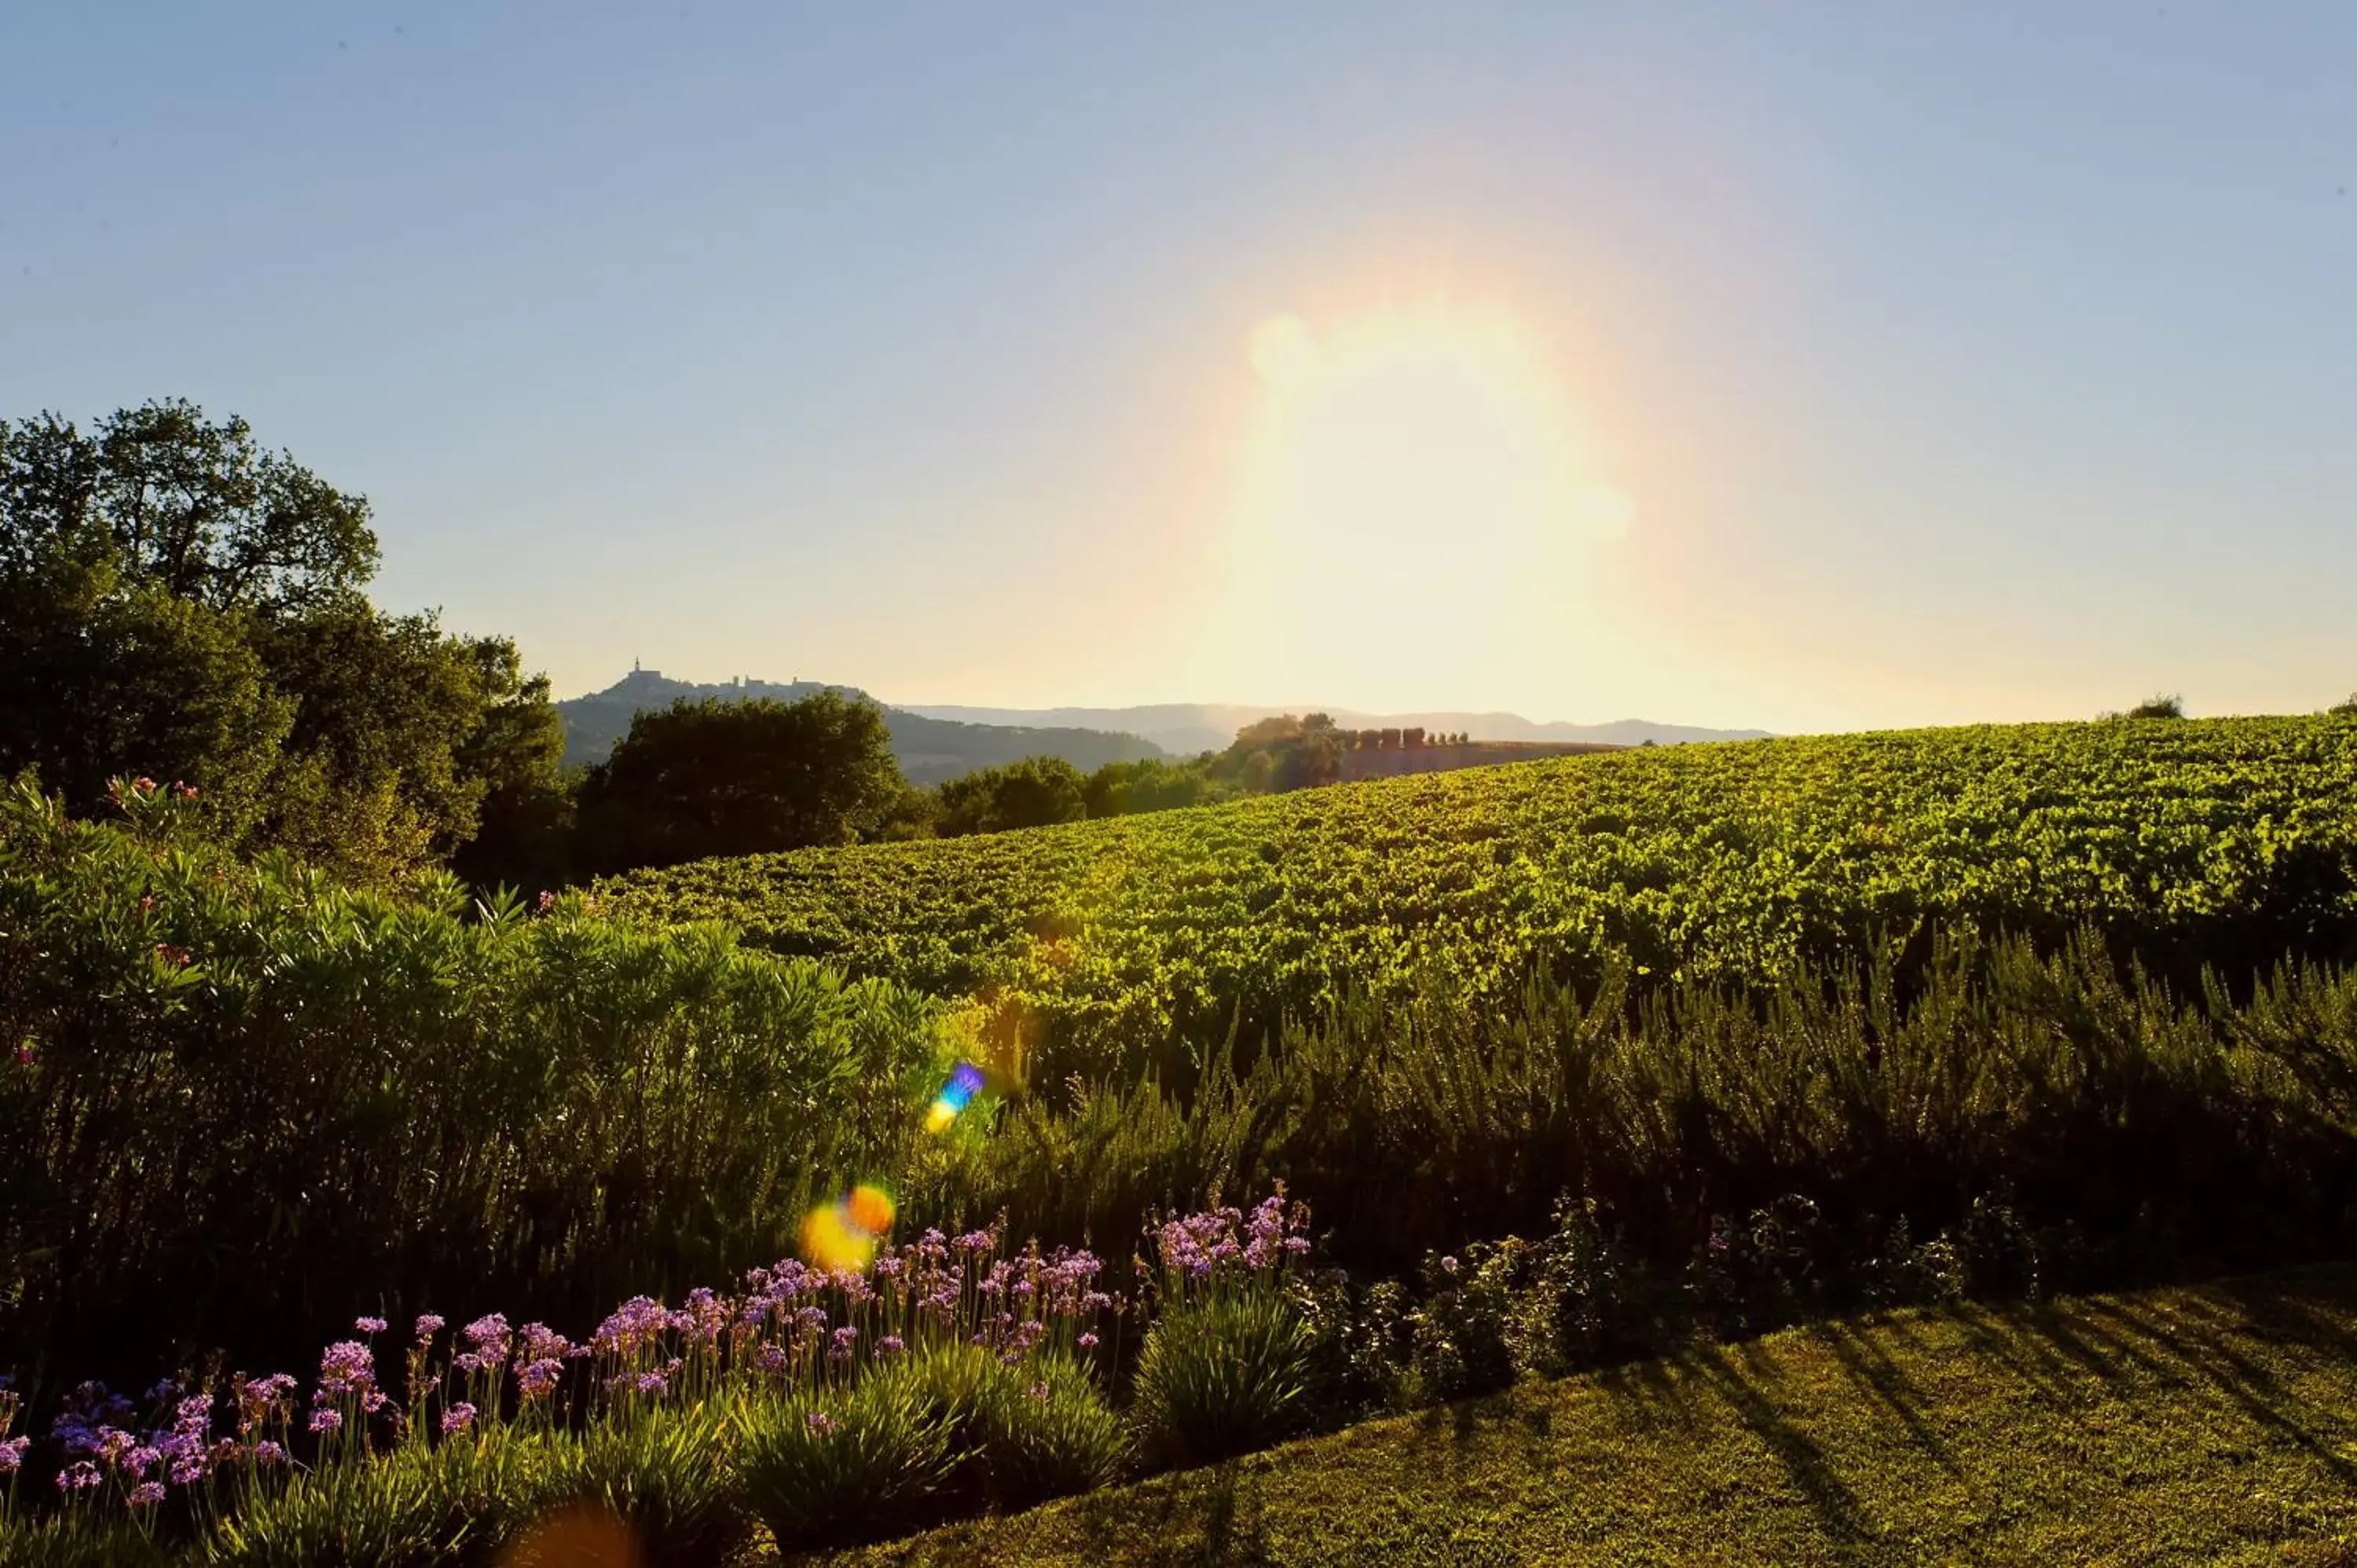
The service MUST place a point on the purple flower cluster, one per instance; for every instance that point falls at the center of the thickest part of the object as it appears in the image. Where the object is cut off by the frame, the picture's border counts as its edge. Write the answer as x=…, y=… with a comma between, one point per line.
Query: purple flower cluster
x=792, y=1326
x=1229, y=1243
x=488, y=1341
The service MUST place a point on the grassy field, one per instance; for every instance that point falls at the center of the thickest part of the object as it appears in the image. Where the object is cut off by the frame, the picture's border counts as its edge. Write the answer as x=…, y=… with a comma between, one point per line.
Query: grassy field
x=2208, y=1424
x=2230, y=839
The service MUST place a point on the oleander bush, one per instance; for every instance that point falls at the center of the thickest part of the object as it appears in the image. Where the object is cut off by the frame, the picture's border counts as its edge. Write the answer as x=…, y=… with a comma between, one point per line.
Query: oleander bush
x=243, y=1101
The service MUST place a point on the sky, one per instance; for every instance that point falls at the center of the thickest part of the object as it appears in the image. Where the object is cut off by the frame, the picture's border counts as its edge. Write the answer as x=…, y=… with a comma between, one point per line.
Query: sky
x=1796, y=367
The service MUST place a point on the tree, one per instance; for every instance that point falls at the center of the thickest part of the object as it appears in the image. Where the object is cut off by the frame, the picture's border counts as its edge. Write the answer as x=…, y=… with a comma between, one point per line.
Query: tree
x=2346, y=706
x=2166, y=705
x=1153, y=784
x=1033, y=793
x=95, y=682
x=711, y=778
x=525, y=822
x=190, y=507
x=175, y=601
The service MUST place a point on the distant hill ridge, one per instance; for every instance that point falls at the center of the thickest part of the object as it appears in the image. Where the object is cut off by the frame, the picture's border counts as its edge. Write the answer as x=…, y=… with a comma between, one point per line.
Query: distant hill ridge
x=929, y=749
x=1190, y=727
x=934, y=742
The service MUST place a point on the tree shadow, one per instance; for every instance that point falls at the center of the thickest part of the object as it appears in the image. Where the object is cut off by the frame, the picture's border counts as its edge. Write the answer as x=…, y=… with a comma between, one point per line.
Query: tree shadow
x=1835, y=1505
x=2201, y=1352
x=1868, y=1365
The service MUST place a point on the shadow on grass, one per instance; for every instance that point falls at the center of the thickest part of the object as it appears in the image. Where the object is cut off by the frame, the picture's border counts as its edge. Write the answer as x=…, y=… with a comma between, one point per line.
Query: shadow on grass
x=2240, y=1345
x=1201, y=1519
x=1736, y=1379
x=1868, y=1365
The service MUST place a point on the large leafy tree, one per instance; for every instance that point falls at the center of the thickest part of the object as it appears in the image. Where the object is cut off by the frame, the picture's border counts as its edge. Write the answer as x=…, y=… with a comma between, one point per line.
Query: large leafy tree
x=1032, y=793
x=712, y=777
x=177, y=601
x=184, y=505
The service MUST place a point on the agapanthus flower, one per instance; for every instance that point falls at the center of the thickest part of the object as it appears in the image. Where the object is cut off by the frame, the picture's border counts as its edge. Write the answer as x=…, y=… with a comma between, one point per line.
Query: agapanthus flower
x=267, y=1453
x=1088, y=1342
x=12, y=1455
x=458, y=1418
x=146, y=1494
x=541, y=1343
x=632, y=1326
x=890, y=1345
x=537, y=1380
x=348, y=1367
x=369, y=1324
x=428, y=1324
x=491, y=1338
x=325, y=1420
x=820, y=1422
x=77, y=1477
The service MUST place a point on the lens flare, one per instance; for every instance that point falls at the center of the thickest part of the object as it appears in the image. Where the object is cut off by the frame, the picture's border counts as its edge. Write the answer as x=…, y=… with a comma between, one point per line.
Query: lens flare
x=577, y=1538
x=830, y=1241
x=965, y=1083
x=868, y=1208
x=842, y=1234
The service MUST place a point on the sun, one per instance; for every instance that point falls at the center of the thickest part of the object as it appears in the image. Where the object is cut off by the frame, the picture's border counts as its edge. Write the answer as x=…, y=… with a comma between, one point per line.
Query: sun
x=1421, y=470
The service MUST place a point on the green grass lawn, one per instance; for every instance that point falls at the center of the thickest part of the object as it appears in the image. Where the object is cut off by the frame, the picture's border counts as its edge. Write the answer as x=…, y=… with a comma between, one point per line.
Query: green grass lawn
x=2210, y=1425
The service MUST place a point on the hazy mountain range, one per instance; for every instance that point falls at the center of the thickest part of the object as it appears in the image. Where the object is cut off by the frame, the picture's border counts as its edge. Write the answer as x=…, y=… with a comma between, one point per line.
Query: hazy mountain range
x=1190, y=727
x=934, y=742
x=929, y=749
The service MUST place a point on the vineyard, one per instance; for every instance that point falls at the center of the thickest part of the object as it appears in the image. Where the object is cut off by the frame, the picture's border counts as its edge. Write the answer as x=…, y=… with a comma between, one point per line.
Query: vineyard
x=2228, y=841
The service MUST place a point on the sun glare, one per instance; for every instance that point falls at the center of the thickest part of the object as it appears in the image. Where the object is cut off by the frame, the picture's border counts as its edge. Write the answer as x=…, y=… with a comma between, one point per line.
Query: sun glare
x=1421, y=471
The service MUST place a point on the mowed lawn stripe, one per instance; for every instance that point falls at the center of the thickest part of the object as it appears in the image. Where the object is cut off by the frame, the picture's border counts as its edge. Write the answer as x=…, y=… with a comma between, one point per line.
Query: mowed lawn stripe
x=2213, y=1423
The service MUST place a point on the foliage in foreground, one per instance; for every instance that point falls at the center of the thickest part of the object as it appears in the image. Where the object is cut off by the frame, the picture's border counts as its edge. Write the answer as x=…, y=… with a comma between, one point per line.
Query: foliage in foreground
x=241, y=1099
x=829, y=1405
x=1139, y=942
x=2089, y=1124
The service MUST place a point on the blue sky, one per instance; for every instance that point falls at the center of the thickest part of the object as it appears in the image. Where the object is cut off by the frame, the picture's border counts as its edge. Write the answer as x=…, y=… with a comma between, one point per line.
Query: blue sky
x=1961, y=362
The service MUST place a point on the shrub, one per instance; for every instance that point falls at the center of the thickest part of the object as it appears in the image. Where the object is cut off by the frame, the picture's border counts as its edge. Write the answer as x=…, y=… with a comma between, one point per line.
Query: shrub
x=847, y=1466
x=1044, y=1430
x=1222, y=1376
x=2346, y=706
x=412, y=1507
x=374, y=1101
x=2161, y=706
x=77, y=1540
x=668, y=1475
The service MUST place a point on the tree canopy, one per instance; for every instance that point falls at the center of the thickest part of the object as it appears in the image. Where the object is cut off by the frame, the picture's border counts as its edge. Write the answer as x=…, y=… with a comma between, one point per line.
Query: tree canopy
x=710, y=778
x=177, y=601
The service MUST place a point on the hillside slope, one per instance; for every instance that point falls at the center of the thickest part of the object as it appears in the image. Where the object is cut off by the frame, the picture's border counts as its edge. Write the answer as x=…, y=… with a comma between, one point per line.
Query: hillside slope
x=2217, y=1424
x=2232, y=839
